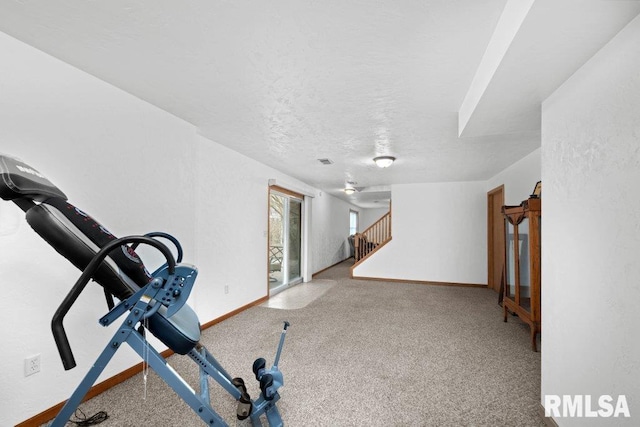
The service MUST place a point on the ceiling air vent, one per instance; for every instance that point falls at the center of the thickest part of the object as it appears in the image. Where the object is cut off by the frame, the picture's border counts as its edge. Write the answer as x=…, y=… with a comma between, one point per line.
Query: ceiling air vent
x=326, y=161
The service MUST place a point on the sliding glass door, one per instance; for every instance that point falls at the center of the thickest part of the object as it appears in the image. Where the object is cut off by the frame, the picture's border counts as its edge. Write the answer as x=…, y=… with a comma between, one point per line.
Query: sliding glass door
x=285, y=240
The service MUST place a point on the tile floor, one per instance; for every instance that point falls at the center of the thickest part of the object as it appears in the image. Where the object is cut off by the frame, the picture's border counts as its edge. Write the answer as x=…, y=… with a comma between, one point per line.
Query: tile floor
x=300, y=295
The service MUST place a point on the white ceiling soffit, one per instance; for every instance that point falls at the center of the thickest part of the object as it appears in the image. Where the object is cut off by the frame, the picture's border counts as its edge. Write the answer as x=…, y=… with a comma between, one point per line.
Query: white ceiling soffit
x=523, y=65
x=378, y=197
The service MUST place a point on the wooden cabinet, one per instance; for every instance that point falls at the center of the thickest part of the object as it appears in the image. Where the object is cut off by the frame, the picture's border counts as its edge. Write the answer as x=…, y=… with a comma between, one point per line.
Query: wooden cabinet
x=521, y=293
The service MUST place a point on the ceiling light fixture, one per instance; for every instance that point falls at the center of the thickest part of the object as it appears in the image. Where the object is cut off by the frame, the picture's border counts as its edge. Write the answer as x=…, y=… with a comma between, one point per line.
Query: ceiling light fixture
x=384, y=161
x=349, y=191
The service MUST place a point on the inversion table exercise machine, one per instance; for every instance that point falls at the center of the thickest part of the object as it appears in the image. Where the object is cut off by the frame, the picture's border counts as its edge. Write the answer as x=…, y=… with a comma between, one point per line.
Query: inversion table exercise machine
x=153, y=302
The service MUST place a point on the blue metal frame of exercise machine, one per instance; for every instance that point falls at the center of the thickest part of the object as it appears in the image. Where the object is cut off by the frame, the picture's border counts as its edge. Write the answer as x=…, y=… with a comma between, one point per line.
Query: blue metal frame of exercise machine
x=172, y=285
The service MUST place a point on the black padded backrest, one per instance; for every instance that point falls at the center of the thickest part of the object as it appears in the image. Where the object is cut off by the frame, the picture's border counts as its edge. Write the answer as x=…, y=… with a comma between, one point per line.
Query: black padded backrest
x=78, y=237
x=19, y=180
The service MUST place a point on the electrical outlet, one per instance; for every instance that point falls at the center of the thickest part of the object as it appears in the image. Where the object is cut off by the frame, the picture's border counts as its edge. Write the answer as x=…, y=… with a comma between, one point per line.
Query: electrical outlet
x=31, y=365
x=226, y=289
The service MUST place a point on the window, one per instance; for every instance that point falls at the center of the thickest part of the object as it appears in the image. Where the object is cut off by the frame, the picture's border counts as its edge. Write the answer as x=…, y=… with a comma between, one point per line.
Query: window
x=353, y=222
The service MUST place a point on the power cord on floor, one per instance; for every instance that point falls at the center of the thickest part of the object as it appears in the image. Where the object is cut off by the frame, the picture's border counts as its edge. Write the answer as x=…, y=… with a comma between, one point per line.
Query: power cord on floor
x=82, y=420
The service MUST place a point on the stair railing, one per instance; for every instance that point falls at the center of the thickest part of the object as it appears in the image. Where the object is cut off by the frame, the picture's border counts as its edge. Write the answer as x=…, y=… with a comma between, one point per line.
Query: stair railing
x=373, y=238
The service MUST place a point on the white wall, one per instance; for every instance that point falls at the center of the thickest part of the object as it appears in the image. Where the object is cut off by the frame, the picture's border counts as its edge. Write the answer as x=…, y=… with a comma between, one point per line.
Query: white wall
x=136, y=169
x=439, y=234
x=435, y=236
x=103, y=148
x=367, y=217
x=231, y=228
x=519, y=179
x=591, y=230
x=330, y=229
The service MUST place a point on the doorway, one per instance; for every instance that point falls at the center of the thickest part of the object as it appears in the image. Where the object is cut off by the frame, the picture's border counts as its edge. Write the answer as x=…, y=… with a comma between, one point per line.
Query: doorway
x=495, y=237
x=285, y=239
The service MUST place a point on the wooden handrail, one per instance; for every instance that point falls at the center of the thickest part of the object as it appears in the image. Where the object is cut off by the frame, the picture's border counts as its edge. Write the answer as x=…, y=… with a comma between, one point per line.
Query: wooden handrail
x=372, y=238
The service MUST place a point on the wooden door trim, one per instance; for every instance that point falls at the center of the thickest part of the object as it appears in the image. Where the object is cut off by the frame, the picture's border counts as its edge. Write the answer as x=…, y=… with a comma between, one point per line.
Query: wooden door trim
x=496, y=192
x=286, y=191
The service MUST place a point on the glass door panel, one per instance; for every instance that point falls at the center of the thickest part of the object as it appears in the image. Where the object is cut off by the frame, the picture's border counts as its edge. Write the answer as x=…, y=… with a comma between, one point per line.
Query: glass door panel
x=285, y=241
x=523, y=250
x=294, y=246
x=276, y=240
x=510, y=278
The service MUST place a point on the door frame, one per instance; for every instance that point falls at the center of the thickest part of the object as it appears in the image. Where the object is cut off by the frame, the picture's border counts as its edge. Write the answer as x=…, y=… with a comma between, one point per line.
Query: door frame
x=303, y=237
x=491, y=213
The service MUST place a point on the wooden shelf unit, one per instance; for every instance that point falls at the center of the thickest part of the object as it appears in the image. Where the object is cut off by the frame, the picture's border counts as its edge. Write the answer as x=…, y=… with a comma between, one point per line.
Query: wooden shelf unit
x=521, y=292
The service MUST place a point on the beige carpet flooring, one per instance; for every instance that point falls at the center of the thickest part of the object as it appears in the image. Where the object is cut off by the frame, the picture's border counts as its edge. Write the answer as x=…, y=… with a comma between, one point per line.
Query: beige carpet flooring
x=363, y=353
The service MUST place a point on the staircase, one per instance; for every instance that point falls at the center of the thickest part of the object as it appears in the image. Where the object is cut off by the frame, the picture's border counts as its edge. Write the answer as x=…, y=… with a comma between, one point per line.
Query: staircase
x=372, y=239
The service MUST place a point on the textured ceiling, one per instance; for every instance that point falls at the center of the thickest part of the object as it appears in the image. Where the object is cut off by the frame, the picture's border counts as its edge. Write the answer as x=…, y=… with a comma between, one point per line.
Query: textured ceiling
x=290, y=82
